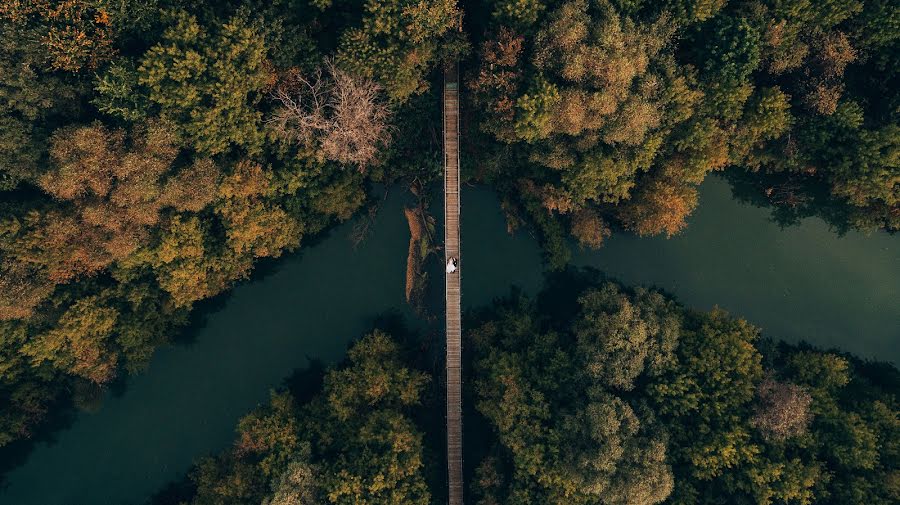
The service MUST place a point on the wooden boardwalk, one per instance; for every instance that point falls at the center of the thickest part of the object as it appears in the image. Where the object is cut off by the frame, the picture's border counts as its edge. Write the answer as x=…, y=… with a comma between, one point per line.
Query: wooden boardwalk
x=452, y=289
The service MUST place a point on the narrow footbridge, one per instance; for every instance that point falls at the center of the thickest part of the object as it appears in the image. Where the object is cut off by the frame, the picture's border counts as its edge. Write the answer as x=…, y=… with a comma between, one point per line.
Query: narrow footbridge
x=452, y=290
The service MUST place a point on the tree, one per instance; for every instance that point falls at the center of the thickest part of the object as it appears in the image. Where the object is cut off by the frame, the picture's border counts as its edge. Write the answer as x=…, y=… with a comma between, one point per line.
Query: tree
x=78, y=343
x=596, y=101
x=254, y=224
x=33, y=100
x=355, y=442
x=517, y=14
x=564, y=438
x=340, y=116
x=613, y=463
x=207, y=82
x=76, y=34
x=620, y=337
x=687, y=12
x=22, y=288
x=29, y=399
x=268, y=445
x=783, y=410
x=186, y=264
x=495, y=87
x=589, y=228
x=296, y=486
x=660, y=206
x=112, y=187
x=710, y=413
x=730, y=54
x=398, y=41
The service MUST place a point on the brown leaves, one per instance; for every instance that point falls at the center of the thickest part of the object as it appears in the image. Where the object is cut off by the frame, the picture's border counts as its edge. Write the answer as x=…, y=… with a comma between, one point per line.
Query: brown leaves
x=86, y=159
x=78, y=341
x=589, y=228
x=661, y=206
x=112, y=188
x=192, y=188
x=783, y=410
x=497, y=83
x=255, y=226
x=21, y=290
x=831, y=55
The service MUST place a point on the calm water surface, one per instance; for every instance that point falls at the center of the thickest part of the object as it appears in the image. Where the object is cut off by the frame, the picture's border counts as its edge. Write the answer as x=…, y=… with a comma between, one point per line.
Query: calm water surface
x=801, y=283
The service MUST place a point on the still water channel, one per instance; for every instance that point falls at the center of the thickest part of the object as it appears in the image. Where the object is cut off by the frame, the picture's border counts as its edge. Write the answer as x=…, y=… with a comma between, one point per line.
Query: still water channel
x=798, y=283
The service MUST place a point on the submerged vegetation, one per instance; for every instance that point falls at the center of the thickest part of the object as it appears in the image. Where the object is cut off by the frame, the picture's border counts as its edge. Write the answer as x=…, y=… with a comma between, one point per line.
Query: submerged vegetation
x=421, y=246
x=591, y=393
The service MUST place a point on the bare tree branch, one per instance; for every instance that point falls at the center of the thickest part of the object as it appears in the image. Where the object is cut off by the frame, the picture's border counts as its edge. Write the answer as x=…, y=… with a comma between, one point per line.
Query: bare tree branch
x=340, y=115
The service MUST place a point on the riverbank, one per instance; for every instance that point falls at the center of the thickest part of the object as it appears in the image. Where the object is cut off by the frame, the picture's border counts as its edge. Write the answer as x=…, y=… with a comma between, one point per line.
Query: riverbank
x=799, y=283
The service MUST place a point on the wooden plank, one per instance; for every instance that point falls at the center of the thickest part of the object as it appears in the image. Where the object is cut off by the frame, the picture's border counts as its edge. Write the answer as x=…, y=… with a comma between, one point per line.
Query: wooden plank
x=452, y=290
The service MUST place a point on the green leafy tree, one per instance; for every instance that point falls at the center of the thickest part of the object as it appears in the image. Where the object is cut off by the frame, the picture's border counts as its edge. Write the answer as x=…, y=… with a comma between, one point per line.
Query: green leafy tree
x=619, y=338
x=566, y=439
x=398, y=41
x=78, y=342
x=353, y=443
x=207, y=81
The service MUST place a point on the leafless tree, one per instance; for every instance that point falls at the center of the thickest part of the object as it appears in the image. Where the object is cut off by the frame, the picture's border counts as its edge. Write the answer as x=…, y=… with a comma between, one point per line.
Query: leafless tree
x=782, y=410
x=341, y=116
x=301, y=115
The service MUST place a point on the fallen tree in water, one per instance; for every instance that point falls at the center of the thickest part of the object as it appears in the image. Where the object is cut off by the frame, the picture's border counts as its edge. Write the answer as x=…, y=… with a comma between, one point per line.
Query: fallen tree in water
x=421, y=245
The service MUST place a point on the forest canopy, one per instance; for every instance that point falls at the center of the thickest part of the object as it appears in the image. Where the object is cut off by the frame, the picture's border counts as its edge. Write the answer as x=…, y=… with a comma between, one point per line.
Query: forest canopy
x=590, y=393
x=611, y=113
x=595, y=393
x=153, y=151
x=351, y=444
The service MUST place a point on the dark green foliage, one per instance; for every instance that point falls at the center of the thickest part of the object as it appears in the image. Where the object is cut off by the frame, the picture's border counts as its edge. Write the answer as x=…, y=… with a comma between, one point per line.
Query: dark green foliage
x=563, y=431
x=207, y=83
x=140, y=172
x=354, y=443
x=398, y=41
x=605, y=395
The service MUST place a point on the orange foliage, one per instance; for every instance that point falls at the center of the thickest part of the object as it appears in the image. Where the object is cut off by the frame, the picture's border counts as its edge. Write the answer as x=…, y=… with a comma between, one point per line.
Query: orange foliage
x=254, y=225
x=661, y=206
x=557, y=200
x=78, y=341
x=111, y=188
x=21, y=290
x=76, y=34
x=496, y=85
x=117, y=195
x=589, y=228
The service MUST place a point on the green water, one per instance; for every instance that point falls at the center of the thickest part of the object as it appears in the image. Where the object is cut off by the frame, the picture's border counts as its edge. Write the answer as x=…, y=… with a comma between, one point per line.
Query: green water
x=801, y=283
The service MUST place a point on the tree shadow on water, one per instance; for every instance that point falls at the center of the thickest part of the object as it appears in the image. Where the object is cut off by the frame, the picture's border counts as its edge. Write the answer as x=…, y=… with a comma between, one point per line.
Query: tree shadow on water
x=174, y=493
x=791, y=198
x=13, y=455
x=305, y=383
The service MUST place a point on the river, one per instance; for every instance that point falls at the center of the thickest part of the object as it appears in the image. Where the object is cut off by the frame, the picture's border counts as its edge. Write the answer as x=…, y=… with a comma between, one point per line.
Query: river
x=799, y=283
